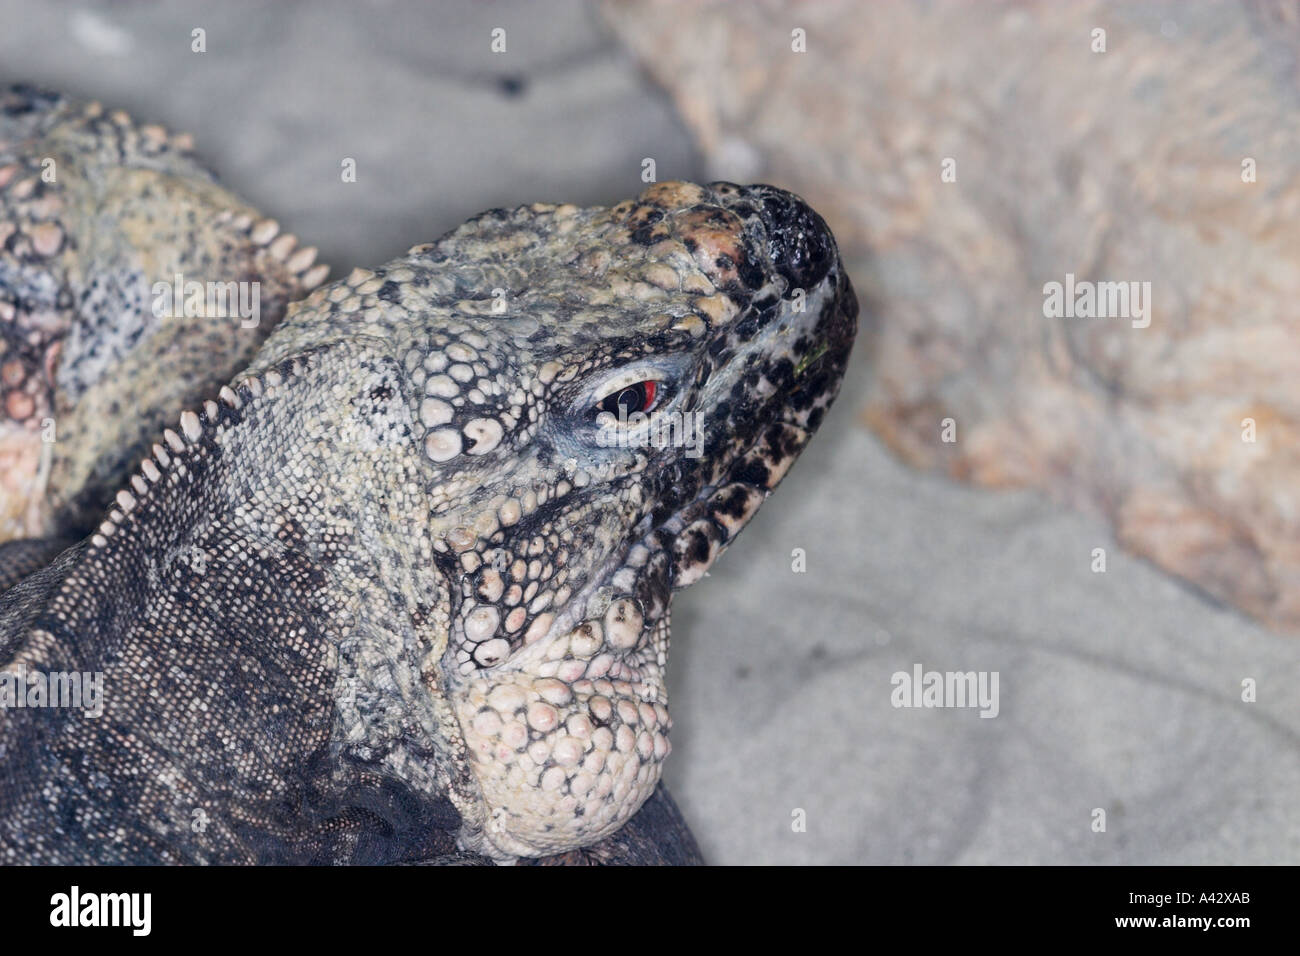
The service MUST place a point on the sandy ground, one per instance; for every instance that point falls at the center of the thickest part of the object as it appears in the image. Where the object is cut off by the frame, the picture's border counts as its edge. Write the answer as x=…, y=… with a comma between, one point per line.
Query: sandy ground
x=1119, y=691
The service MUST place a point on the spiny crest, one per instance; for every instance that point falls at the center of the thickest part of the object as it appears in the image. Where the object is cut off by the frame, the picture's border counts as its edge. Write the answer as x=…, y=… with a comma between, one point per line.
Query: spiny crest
x=168, y=459
x=281, y=245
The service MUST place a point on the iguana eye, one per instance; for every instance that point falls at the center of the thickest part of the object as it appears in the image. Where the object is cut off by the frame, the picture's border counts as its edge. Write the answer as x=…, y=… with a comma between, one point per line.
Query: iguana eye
x=638, y=397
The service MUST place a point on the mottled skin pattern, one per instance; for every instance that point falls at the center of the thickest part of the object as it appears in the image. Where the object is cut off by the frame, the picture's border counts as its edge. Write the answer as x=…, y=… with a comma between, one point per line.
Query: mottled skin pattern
x=95, y=209
x=395, y=587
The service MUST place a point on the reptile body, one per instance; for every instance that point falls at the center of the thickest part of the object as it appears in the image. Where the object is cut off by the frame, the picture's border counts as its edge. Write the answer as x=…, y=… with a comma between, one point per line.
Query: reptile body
x=400, y=591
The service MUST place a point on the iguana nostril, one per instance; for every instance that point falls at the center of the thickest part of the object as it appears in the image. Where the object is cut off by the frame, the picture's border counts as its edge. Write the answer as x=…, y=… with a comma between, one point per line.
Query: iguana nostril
x=798, y=240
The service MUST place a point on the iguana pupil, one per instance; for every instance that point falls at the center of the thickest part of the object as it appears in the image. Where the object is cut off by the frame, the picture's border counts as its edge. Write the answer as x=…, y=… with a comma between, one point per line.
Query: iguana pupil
x=633, y=398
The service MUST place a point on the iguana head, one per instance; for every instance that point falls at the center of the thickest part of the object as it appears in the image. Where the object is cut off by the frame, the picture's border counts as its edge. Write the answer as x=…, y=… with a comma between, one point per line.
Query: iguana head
x=598, y=400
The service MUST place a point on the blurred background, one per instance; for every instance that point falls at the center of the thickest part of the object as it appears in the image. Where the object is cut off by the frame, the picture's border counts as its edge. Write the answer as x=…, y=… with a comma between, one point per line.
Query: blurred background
x=964, y=155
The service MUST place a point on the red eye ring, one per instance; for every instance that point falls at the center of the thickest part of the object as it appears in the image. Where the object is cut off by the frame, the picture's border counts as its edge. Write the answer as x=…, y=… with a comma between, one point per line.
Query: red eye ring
x=638, y=397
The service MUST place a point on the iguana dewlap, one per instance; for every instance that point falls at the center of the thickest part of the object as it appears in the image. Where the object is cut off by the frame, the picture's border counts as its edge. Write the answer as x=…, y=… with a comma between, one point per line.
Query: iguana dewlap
x=95, y=211
x=402, y=577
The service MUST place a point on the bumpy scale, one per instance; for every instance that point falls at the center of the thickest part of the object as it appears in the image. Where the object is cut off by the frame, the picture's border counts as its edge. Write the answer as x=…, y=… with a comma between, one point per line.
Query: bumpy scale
x=94, y=210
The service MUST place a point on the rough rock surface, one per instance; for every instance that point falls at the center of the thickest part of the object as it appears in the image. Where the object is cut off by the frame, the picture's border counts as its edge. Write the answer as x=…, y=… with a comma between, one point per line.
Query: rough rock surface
x=1116, y=166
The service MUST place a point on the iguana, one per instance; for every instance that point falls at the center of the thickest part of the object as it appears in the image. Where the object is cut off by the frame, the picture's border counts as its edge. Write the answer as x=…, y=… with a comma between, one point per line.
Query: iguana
x=98, y=215
x=400, y=591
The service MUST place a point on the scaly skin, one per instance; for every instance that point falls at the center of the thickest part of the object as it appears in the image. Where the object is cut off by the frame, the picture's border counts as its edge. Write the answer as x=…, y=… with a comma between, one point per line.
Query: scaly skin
x=396, y=581
x=95, y=209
